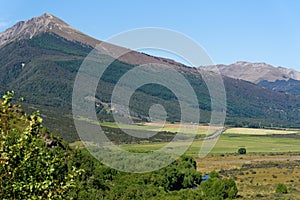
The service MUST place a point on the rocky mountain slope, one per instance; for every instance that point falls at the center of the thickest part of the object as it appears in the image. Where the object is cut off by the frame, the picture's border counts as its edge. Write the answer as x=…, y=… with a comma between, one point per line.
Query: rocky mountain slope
x=275, y=78
x=256, y=72
x=45, y=23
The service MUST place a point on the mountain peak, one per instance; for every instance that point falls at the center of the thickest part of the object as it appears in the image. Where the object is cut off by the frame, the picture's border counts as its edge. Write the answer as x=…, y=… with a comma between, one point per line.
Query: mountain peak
x=42, y=24
x=47, y=15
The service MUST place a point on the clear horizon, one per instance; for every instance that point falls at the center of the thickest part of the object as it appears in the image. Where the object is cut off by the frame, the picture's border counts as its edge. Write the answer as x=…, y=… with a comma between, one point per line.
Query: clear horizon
x=254, y=31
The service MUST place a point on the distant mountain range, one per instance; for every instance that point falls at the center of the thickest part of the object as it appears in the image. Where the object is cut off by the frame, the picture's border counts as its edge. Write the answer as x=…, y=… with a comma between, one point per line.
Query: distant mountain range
x=40, y=57
x=276, y=78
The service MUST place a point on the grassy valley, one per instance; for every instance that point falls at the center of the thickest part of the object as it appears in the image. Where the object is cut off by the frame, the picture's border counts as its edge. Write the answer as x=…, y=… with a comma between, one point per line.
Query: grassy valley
x=272, y=157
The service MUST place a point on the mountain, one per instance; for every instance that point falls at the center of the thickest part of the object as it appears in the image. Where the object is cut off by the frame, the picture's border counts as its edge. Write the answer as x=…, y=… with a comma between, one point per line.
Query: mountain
x=256, y=72
x=276, y=78
x=40, y=57
x=46, y=23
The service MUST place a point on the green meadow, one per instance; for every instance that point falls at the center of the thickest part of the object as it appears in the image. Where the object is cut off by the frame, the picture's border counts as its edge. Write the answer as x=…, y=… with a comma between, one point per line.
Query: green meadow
x=229, y=143
x=254, y=140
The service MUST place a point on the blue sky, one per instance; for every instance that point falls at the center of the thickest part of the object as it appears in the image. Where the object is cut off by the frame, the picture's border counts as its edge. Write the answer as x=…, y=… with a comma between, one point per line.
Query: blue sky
x=230, y=30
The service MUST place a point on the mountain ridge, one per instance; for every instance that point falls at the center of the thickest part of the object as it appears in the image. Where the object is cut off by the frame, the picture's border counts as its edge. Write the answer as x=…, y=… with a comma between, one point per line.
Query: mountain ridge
x=49, y=23
x=279, y=79
x=43, y=68
x=256, y=72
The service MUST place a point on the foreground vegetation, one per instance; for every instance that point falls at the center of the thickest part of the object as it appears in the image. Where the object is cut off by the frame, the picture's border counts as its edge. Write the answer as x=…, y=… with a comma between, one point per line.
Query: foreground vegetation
x=37, y=165
x=33, y=164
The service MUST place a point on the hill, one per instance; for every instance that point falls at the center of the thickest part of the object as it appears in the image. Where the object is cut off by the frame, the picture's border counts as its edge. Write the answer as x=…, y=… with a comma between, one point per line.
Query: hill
x=39, y=59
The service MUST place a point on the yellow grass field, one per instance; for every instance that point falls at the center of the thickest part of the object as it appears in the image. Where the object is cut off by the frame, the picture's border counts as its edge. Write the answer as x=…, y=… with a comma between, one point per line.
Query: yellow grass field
x=256, y=131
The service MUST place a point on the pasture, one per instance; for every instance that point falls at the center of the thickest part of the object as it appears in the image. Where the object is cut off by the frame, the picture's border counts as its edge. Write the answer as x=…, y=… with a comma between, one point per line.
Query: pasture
x=229, y=143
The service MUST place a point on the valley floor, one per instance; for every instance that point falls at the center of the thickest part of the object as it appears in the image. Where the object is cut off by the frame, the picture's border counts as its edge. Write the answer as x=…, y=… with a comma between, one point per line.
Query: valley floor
x=273, y=157
x=257, y=174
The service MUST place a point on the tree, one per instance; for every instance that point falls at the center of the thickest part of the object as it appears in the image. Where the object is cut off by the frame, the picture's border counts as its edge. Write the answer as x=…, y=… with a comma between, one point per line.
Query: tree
x=281, y=188
x=242, y=150
x=29, y=168
x=181, y=174
x=216, y=188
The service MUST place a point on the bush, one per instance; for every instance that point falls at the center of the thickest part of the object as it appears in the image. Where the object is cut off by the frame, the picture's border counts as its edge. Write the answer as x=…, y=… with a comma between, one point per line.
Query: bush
x=242, y=151
x=29, y=168
x=281, y=188
x=214, y=174
x=217, y=188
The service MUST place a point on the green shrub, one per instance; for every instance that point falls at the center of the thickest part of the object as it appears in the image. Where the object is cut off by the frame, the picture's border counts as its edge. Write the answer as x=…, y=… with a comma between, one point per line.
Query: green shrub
x=242, y=151
x=217, y=188
x=281, y=188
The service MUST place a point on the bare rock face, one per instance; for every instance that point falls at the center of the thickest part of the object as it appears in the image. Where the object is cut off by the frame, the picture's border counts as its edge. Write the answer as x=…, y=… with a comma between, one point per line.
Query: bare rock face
x=256, y=72
x=45, y=23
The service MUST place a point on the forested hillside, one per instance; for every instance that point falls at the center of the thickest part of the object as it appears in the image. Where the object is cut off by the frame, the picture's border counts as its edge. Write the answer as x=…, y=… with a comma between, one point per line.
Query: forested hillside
x=42, y=68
